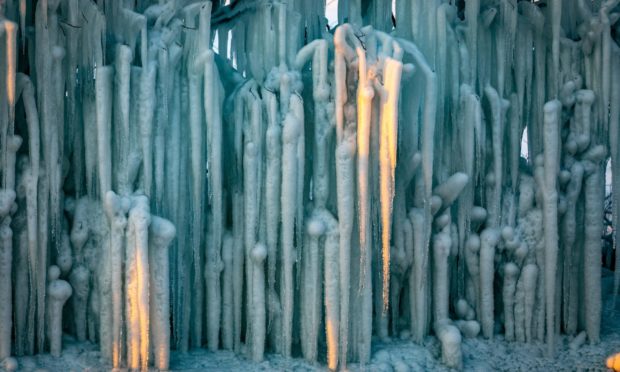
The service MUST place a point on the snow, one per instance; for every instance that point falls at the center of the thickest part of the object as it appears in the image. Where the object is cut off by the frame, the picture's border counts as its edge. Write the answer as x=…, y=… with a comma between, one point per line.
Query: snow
x=478, y=354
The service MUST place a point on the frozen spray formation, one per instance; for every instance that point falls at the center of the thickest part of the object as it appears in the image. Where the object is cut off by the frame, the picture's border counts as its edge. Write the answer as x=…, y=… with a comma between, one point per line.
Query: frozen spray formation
x=237, y=175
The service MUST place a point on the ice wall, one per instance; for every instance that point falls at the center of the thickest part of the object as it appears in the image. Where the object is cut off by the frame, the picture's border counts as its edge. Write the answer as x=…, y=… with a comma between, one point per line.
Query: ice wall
x=300, y=189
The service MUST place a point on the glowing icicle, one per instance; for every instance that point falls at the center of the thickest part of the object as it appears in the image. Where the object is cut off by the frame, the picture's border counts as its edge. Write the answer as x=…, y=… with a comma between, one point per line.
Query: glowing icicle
x=332, y=289
x=10, y=31
x=388, y=149
x=136, y=276
x=364, y=107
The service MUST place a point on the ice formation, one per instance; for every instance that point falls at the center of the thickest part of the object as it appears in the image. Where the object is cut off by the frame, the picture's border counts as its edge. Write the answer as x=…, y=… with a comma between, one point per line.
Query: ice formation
x=237, y=175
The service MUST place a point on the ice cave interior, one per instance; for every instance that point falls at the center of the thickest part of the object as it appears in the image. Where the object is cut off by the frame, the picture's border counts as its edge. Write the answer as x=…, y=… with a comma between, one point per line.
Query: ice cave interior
x=382, y=185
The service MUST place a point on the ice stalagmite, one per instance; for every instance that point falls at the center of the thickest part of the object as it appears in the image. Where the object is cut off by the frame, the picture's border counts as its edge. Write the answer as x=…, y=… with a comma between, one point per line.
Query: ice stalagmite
x=315, y=228
x=58, y=292
x=161, y=233
x=259, y=253
x=592, y=248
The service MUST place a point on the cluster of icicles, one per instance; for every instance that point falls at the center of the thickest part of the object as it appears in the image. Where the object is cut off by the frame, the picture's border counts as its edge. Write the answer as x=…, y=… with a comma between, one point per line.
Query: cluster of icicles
x=316, y=187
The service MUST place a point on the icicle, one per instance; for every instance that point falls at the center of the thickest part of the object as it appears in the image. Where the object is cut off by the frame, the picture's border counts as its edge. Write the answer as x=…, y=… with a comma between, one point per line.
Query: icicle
x=418, y=281
x=315, y=228
x=273, y=141
x=332, y=289
x=511, y=273
x=251, y=214
x=161, y=233
x=441, y=251
x=614, y=146
x=7, y=197
x=145, y=123
x=569, y=235
x=136, y=285
x=214, y=159
x=227, y=291
x=488, y=241
x=345, y=153
x=388, y=149
x=116, y=208
x=592, y=246
x=550, y=211
x=290, y=135
x=259, y=253
x=104, y=113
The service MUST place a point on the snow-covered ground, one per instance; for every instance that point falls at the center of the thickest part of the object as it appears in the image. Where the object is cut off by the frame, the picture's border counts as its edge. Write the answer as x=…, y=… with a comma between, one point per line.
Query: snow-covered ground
x=396, y=355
